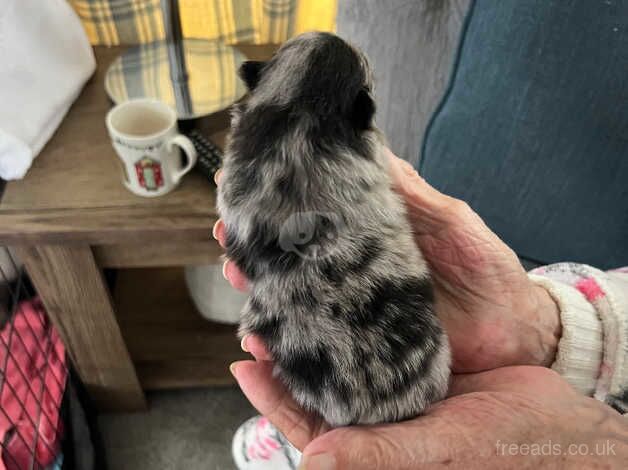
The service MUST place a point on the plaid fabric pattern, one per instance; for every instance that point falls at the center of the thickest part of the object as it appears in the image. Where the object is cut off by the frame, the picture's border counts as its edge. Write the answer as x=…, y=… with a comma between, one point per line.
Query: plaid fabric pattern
x=113, y=22
x=213, y=60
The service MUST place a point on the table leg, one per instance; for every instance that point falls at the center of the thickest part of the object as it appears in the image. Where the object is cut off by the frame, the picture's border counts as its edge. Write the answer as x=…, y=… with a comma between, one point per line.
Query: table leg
x=78, y=302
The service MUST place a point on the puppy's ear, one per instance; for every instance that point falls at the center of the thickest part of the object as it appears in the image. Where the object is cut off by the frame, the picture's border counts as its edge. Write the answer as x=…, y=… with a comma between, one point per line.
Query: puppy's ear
x=363, y=110
x=250, y=71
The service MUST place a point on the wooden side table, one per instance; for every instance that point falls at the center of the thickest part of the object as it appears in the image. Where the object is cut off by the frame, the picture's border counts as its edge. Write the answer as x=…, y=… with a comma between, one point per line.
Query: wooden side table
x=71, y=217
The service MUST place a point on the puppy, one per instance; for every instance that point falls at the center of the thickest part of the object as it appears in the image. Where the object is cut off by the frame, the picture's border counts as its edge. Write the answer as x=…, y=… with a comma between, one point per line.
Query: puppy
x=338, y=288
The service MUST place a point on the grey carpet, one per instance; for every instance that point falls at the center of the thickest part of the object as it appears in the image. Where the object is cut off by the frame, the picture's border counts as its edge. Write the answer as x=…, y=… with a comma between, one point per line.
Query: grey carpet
x=183, y=430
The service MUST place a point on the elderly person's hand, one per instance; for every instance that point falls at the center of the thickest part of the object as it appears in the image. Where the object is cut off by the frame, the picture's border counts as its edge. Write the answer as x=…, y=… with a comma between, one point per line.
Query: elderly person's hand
x=512, y=417
x=493, y=314
x=509, y=417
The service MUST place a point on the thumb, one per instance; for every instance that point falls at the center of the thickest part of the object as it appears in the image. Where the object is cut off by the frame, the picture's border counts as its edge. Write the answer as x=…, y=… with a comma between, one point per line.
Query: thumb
x=398, y=446
x=350, y=449
x=423, y=201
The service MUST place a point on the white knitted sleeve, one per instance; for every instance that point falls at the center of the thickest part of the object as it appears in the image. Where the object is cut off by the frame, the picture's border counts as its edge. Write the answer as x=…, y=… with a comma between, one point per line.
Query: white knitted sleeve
x=593, y=350
x=579, y=355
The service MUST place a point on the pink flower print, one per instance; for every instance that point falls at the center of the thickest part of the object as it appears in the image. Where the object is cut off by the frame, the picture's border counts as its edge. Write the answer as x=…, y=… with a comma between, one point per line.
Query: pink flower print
x=590, y=289
x=272, y=443
x=264, y=443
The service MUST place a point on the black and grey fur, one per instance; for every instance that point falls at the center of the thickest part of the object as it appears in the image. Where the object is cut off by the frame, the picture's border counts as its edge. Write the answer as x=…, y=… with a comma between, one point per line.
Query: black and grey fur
x=339, y=291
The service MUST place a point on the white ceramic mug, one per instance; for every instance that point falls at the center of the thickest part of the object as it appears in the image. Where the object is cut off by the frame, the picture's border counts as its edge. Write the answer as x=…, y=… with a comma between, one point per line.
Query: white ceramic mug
x=145, y=135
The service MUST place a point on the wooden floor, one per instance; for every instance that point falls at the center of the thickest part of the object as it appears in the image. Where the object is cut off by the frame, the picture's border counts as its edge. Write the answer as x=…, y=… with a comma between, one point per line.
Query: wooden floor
x=171, y=345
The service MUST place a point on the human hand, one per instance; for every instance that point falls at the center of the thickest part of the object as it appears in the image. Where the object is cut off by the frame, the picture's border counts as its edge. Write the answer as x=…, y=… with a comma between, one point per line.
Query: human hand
x=513, y=417
x=493, y=314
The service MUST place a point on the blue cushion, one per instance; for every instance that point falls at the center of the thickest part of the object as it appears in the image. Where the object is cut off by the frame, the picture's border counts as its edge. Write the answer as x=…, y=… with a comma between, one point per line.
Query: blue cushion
x=533, y=130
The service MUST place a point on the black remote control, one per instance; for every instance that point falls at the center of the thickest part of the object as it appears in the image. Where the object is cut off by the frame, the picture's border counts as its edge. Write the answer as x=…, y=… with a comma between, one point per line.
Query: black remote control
x=209, y=155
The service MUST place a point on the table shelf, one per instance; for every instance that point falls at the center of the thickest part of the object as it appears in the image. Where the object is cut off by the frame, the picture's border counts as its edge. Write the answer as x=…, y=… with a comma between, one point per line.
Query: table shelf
x=71, y=217
x=170, y=343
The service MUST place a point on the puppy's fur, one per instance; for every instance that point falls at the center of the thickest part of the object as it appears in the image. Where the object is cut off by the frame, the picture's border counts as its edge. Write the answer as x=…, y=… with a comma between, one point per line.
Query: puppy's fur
x=339, y=290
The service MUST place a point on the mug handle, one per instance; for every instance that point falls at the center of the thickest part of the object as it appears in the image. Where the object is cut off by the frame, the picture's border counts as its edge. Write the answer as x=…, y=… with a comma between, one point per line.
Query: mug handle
x=188, y=147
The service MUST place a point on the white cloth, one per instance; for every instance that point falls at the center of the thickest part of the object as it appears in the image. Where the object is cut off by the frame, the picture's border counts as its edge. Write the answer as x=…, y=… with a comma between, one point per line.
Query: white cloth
x=258, y=445
x=45, y=59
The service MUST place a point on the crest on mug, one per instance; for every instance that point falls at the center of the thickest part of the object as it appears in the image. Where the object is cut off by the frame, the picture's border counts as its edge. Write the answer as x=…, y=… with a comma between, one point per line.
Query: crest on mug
x=149, y=173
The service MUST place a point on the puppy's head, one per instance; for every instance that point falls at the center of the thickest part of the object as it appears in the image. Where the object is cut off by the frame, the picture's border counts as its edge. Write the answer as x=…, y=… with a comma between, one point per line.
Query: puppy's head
x=316, y=73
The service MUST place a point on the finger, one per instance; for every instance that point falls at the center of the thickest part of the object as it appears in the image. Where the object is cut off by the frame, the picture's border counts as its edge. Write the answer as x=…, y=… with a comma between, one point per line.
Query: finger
x=219, y=233
x=409, y=183
x=229, y=270
x=423, y=201
x=273, y=400
x=254, y=345
x=235, y=277
x=405, y=445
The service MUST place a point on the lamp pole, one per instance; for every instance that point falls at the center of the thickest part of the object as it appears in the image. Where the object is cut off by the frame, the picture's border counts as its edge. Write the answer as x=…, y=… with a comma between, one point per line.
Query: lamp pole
x=176, y=56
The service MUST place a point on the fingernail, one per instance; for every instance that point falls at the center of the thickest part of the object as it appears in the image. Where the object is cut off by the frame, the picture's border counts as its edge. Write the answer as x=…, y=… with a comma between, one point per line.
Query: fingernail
x=232, y=368
x=217, y=175
x=243, y=343
x=224, y=270
x=318, y=462
x=214, y=229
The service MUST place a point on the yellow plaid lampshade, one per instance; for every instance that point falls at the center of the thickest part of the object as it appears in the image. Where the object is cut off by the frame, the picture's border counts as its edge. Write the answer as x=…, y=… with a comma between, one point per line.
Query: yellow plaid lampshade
x=211, y=65
x=113, y=22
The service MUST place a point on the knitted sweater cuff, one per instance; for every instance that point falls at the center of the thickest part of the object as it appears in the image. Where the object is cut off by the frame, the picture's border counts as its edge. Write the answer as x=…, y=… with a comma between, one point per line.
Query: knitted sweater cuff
x=607, y=294
x=580, y=349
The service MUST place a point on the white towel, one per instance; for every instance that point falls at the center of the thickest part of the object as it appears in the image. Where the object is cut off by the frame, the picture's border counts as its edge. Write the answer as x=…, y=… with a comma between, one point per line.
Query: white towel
x=45, y=59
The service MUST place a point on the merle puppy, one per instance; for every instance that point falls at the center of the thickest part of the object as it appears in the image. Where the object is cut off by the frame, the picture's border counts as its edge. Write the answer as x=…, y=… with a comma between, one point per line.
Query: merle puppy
x=339, y=290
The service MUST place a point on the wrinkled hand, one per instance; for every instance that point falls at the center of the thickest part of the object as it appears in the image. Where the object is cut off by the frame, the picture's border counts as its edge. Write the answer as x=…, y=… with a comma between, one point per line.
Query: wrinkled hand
x=493, y=314
x=494, y=317
x=514, y=417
